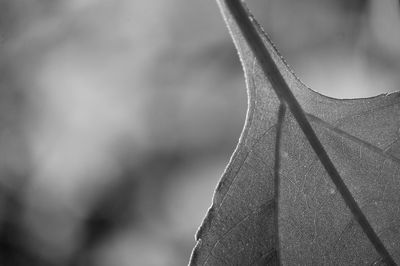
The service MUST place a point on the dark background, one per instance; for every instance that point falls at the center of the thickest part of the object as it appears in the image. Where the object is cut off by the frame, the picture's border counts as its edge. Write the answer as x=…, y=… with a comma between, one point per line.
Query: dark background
x=118, y=117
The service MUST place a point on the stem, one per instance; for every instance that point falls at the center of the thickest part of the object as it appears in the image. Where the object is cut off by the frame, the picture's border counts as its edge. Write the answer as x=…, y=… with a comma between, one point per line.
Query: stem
x=281, y=88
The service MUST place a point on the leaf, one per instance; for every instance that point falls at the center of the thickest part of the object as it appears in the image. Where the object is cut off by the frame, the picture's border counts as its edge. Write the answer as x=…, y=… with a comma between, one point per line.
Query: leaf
x=330, y=195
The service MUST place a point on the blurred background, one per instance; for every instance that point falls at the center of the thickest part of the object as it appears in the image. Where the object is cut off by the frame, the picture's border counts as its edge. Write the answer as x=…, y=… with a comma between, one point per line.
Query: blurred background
x=118, y=117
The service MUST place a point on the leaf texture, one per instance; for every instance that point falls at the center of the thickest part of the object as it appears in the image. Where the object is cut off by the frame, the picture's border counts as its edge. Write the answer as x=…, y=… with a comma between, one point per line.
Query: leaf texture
x=276, y=204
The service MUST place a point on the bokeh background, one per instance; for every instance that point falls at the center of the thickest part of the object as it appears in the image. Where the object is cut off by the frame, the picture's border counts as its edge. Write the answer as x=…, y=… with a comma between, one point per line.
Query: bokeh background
x=118, y=117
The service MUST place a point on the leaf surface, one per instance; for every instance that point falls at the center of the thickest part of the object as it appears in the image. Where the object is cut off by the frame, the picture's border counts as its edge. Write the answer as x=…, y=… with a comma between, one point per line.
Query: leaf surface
x=276, y=203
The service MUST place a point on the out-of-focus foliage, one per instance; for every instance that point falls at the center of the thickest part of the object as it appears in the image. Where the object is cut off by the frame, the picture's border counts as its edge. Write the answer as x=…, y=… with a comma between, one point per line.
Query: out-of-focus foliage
x=118, y=117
